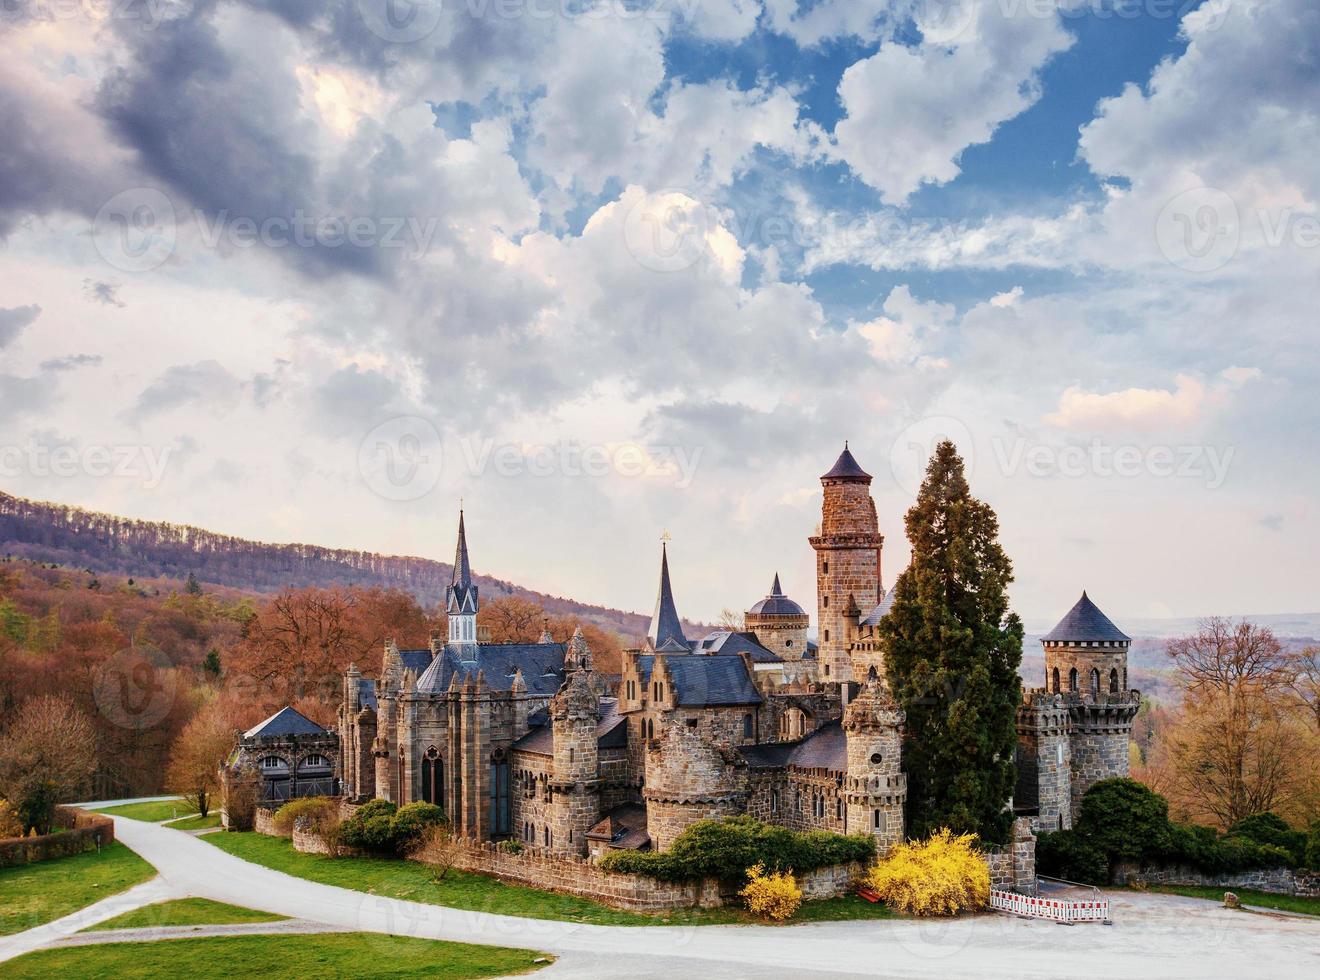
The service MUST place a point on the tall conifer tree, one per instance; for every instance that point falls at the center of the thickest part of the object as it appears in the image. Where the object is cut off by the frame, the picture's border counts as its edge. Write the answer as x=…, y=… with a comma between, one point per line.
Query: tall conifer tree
x=952, y=658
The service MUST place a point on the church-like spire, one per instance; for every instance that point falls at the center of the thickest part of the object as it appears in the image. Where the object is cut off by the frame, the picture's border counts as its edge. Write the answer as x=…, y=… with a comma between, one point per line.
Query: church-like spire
x=461, y=599
x=665, y=625
x=462, y=570
x=776, y=589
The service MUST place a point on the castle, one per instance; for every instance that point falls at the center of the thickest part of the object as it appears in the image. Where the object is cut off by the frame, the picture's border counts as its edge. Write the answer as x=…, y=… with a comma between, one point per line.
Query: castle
x=530, y=742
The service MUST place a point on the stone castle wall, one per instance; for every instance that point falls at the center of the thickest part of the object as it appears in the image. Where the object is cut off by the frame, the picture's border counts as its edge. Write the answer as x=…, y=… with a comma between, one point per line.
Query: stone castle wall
x=1013, y=867
x=1279, y=881
x=1096, y=756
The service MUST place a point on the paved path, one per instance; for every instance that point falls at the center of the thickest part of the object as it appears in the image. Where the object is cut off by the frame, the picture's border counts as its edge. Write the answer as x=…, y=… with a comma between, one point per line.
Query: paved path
x=1154, y=935
x=146, y=934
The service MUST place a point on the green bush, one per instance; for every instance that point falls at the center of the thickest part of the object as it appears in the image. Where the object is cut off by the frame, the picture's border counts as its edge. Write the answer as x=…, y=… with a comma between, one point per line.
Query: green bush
x=1271, y=829
x=1125, y=820
x=316, y=807
x=411, y=822
x=1313, y=847
x=725, y=849
x=1066, y=854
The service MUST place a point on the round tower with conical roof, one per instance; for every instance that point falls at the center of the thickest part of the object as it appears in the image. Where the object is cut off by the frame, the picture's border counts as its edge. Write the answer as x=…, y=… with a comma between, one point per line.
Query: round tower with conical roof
x=779, y=623
x=848, y=546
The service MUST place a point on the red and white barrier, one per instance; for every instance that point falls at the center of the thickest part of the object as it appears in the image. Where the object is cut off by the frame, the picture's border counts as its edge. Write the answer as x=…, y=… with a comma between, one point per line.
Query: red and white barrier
x=1059, y=909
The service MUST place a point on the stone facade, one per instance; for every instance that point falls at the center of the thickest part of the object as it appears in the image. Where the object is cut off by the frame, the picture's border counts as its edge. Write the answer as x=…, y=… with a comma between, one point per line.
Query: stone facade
x=1278, y=881
x=1013, y=867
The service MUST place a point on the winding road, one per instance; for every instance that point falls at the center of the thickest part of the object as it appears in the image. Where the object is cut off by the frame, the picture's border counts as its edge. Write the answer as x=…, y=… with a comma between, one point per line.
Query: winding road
x=1152, y=935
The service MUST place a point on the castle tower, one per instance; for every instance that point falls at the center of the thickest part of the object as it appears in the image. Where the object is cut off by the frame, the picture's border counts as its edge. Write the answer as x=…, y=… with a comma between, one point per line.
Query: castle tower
x=690, y=777
x=575, y=783
x=461, y=600
x=779, y=623
x=848, y=547
x=1086, y=667
x=875, y=788
x=666, y=631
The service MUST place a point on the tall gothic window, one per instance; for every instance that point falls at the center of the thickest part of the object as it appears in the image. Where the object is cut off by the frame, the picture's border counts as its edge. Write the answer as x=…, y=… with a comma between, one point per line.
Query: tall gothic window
x=1072, y=681
x=1113, y=681
x=433, y=778
x=1095, y=683
x=1056, y=680
x=499, y=796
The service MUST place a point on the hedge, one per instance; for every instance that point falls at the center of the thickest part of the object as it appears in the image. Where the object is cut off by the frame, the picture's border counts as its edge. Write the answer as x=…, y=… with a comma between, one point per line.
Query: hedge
x=381, y=827
x=725, y=849
x=1122, y=820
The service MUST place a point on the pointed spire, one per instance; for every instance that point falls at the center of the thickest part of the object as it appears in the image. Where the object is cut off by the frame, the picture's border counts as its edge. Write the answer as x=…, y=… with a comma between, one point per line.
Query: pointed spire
x=545, y=632
x=846, y=469
x=461, y=595
x=579, y=654
x=665, y=625
x=776, y=589
x=462, y=570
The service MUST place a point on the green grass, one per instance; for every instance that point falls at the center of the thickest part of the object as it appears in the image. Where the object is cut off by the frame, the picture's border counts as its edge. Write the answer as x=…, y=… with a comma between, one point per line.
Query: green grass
x=185, y=912
x=351, y=954
x=196, y=822
x=1267, y=900
x=411, y=881
x=34, y=894
x=151, y=812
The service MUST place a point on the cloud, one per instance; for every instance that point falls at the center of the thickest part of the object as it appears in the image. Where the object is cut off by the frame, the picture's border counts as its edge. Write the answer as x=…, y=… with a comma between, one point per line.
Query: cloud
x=14, y=320
x=903, y=335
x=1272, y=522
x=205, y=382
x=71, y=361
x=1147, y=407
x=911, y=110
x=103, y=292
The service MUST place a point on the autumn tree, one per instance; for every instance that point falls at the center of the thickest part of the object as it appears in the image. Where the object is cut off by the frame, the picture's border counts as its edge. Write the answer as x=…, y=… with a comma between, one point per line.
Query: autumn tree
x=47, y=753
x=198, y=753
x=1240, y=745
x=953, y=650
x=512, y=619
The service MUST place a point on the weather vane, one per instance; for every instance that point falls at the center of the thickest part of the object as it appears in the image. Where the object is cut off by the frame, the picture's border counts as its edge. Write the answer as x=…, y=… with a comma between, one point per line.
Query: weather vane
x=664, y=536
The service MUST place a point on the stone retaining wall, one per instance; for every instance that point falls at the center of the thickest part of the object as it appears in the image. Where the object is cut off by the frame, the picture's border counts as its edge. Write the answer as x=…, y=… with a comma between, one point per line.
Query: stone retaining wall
x=263, y=822
x=1279, y=881
x=1013, y=867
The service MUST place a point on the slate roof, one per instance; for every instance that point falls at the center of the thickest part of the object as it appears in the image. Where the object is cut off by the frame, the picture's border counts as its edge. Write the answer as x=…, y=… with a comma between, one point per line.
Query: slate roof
x=286, y=721
x=461, y=596
x=1085, y=622
x=846, y=468
x=416, y=660
x=711, y=681
x=665, y=625
x=624, y=827
x=776, y=603
x=728, y=642
x=542, y=666
x=825, y=748
x=611, y=732
x=880, y=611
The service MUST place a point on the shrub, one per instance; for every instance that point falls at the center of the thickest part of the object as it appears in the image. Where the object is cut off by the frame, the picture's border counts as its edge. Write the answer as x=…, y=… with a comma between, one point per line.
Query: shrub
x=437, y=848
x=1065, y=854
x=511, y=846
x=371, y=828
x=1125, y=820
x=943, y=875
x=314, y=807
x=771, y=896
x=1313, y=847
x=1271, y=829
x=412, y=821
x=10, y=825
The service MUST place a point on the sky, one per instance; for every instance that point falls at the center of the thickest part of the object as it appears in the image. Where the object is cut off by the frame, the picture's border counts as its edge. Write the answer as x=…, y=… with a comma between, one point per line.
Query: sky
x=605, y=271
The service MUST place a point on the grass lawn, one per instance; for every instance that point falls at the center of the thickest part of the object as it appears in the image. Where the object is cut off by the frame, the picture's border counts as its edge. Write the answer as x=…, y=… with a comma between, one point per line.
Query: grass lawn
x=352, y=954
x=33, y=894
x=185, y=912
x=196, y=822
x=410, y=880
x=1267, y=900
x=151, y=812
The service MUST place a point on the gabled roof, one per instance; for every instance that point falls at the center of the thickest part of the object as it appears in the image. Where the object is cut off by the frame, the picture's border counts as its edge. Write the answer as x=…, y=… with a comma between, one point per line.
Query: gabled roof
x=711, y=681
x=728, y=642
x=1085, y=622
x=776, y=603
x=881, y=610
x=825, y=748
x=665, y=625
x=286, y=721
x=611, y=732
x=542, y=666
x=846, y=468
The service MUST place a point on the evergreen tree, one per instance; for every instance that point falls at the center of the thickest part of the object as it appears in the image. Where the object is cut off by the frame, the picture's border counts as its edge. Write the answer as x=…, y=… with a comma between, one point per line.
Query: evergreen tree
x=193, y=587
x=953, y=651
x=211, y=663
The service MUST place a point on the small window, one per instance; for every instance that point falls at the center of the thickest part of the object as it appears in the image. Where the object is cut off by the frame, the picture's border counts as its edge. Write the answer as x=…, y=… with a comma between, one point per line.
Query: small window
x=692, y=723
x=825, y=601
x=788, y=643
x=1072, y=681
x=571, y=753
x=876, y=758
x=747, y=726
x=838, y=809
x=825, y=566
x=827, y=636
x=774, y=801
x=1056, y=680
x=274, y=764
x=877, y=820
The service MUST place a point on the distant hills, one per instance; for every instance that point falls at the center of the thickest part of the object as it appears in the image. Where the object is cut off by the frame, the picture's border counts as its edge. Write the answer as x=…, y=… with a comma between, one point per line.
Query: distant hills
x=118, y=545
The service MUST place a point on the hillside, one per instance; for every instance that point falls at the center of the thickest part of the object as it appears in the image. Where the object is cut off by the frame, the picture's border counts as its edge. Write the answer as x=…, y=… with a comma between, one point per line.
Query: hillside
x=108, y=544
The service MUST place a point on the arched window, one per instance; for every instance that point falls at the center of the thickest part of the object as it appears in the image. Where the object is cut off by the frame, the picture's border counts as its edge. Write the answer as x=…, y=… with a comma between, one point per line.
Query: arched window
x=274, y=765
x=433, y=778
x=1056, y=680
x=801, y=724
x=313, y=762
x=825, y=601
x=501, y=811
x=1072, y=680
x=1095, y=683
x=747, y=727
x=1113, y=681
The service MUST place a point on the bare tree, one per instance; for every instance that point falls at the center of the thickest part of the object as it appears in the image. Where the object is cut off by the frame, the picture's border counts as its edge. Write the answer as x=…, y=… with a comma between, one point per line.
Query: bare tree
x=1225, y=657
x=438, y=848
x=47, y=753
x=1307, y=684
x=200, y=750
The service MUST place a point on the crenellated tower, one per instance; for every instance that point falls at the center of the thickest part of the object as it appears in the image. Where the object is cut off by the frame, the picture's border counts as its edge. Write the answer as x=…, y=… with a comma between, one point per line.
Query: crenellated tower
x=848, y=546
x=875, y=786
x=575, y=781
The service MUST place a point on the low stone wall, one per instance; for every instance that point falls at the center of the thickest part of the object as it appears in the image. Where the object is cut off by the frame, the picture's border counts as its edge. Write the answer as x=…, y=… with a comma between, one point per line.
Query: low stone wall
x=1279, y=881
x=263, y=822
x=830, y=882
x=81, y=830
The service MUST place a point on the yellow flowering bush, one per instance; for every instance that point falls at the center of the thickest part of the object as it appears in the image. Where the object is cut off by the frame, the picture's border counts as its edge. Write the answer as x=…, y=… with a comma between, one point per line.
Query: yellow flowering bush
x=771, y=896
x=944, y=875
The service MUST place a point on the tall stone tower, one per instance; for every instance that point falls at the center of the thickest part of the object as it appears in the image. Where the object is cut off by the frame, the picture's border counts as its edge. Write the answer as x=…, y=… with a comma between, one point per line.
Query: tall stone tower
x=875, y=788
x=575, y=782
x=848, y=549
x=1076, y=728
x=779, y=623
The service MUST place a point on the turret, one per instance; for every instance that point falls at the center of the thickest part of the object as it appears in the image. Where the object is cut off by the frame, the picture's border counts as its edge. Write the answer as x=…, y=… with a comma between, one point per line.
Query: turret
x=666, y=631
x=461, y=598
x=848, y=546
x=875, y=788
x=575, y=782
x=779, y=623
